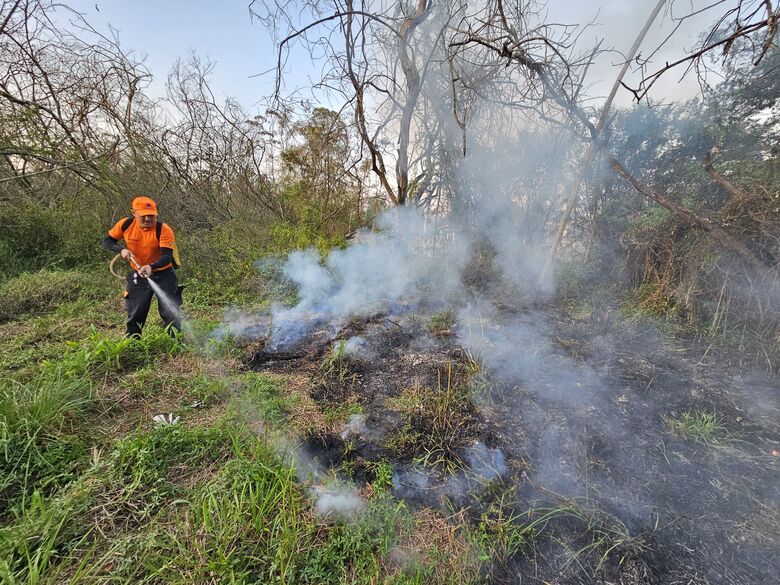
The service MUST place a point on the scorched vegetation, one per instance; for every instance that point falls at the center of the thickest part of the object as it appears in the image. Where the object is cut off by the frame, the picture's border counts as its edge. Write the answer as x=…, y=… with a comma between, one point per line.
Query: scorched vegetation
x=456, y=318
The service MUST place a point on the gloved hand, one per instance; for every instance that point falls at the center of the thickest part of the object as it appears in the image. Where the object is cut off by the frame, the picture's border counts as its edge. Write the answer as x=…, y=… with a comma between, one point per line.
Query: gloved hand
x=145, y=271
x=126, y=254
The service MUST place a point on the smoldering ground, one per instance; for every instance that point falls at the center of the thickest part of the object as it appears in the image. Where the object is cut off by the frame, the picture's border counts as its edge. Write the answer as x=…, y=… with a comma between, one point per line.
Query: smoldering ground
x=577, y=406
x=573, y=414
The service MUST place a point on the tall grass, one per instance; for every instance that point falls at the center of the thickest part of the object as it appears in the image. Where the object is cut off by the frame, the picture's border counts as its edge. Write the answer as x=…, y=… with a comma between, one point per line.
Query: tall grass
x=180, y=505
x=36, y=451
x=101, y=353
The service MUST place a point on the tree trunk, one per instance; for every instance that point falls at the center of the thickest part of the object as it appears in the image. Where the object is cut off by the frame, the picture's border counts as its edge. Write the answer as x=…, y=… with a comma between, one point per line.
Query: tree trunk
x=575, y=186
x=413, y=86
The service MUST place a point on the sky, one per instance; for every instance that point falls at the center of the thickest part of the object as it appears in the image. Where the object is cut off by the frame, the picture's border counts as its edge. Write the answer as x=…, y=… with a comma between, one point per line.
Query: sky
x=224, y=32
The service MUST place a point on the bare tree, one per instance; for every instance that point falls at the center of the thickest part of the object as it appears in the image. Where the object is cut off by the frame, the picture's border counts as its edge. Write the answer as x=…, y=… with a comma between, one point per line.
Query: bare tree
x=66, y=100
x=550, y=75
x=378, y=56
x=753, y=21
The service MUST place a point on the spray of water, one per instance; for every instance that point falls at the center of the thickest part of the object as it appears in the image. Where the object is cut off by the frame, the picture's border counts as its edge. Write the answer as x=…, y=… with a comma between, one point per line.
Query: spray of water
x=163, y=298
x=170, y=306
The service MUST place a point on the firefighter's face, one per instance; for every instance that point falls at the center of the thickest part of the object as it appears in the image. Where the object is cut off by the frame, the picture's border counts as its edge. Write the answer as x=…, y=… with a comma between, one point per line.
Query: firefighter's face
x=146, y=221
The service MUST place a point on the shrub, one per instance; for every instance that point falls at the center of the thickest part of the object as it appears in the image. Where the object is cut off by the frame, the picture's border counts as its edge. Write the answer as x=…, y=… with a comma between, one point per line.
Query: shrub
x=34, y=237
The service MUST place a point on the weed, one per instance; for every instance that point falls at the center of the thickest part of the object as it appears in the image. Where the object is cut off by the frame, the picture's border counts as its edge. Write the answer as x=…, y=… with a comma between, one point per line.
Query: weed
x=32, y=548
x=225, y=345
x=435, y=423
x=701, y=427
x=149, y=468
x=44, y=404
x=356, y=548
x=589, y=536
x=338, y=377
x=383, y=475
x=442, y=323
x=500, y=535
x=207, y=390
x=153, y=380
x=249, y=521
x=107, y=354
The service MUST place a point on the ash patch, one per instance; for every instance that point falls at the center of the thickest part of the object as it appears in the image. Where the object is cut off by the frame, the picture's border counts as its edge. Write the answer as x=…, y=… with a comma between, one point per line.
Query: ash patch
x=328, y=451
x=591, y=416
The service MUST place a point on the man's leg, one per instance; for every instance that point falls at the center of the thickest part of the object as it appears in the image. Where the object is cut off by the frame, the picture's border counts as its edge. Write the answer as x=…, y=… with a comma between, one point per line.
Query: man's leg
x=169, y=307
x=137, y=303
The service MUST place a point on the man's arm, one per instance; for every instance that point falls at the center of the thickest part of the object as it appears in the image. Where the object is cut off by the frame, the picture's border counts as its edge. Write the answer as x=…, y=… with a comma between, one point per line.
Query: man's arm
x=165, y=258
x=112, y=245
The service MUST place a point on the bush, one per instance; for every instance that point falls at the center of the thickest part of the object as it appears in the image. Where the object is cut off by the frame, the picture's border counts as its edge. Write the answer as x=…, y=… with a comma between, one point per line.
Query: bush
x=35, y=237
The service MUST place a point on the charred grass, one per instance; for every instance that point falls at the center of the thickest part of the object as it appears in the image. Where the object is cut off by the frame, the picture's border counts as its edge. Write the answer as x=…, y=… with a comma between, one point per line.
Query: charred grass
x=437, y=422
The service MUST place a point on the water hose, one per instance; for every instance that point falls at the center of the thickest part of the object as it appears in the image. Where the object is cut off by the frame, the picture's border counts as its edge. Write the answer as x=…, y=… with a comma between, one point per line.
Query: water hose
x=131, y=261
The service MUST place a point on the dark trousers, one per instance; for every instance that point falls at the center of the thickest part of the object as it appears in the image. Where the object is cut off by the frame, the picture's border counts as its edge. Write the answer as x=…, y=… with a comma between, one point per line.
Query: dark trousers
x=139, y=299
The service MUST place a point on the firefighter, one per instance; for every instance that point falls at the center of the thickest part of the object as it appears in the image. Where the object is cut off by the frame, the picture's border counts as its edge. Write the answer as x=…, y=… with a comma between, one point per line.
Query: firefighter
x=150, y=250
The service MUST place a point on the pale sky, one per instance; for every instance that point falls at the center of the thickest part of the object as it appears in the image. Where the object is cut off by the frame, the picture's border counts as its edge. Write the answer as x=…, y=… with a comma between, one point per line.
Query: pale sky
x=165, y=30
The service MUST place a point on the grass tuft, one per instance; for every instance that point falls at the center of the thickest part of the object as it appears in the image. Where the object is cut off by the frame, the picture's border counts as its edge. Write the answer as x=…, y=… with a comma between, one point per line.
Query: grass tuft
x=102, y=353
x=698, y=426
x=37, y=451
x=442, y=323
x=435, y=423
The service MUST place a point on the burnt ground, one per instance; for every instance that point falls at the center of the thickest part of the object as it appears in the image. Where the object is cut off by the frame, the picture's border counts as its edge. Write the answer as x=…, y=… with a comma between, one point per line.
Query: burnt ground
x=568, y=422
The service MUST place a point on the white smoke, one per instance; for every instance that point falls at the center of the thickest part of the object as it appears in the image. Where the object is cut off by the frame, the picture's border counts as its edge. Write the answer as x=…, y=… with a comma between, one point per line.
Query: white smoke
x=337, y=501
x=392, y=266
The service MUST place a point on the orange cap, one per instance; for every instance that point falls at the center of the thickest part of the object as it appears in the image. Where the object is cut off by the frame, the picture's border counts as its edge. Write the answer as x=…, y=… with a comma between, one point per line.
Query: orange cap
x=144, y=206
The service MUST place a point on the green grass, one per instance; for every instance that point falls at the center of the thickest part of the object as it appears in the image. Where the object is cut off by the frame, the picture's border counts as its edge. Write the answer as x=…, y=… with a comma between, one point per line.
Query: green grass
x=501, y=534
x=148, y=513
x=442, y=323
x=341, y=413
x=383, y=475
x=38, y=293
x=260, y=397
x=698, y=426
x=38, y=450
x=102, y=354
